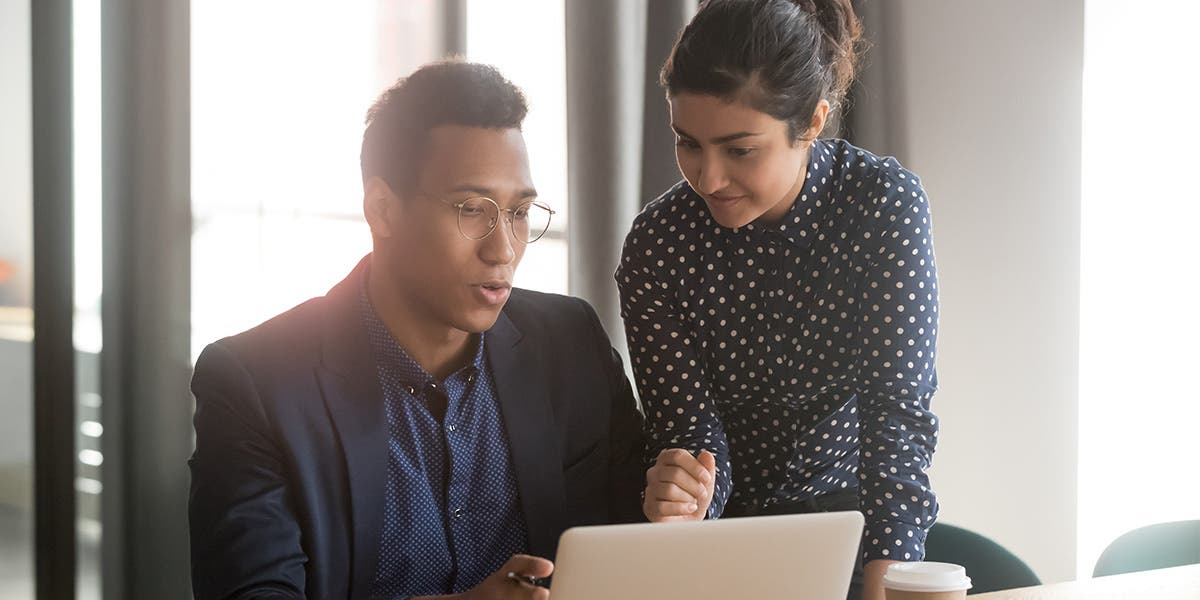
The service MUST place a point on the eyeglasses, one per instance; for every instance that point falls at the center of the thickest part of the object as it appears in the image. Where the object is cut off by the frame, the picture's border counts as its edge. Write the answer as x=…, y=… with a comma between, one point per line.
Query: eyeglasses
x=478, y=216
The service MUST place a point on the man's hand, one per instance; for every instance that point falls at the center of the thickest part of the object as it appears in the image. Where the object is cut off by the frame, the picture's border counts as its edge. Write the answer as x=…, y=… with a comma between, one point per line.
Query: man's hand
x=679, y=487
x=499, y=586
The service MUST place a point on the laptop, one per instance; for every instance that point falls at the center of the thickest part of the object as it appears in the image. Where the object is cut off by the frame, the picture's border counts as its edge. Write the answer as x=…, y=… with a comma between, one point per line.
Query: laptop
x=797, y=557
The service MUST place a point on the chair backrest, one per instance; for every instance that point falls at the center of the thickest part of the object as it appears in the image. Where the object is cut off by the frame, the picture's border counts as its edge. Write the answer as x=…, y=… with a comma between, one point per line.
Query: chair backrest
x=1152, y=547
x=990, y=566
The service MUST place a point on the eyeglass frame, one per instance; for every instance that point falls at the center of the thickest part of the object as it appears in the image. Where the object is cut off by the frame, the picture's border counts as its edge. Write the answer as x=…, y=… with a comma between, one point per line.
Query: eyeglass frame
x=499, y=214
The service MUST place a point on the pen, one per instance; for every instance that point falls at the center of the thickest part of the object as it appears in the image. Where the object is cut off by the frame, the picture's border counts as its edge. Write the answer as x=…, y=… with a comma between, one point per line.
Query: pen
x=529, y=579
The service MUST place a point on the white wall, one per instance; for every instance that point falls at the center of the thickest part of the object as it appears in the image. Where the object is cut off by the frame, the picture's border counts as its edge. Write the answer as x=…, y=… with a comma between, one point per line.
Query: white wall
x=988, y=114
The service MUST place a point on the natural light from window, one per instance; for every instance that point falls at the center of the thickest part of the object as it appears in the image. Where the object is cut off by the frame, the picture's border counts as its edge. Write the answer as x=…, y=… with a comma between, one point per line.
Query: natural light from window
x=537, y=64
x=1139, y=406
x=279, y=92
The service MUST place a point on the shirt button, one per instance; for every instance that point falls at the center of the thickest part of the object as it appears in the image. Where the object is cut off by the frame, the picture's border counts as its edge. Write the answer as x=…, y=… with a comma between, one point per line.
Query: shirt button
x=451, y=427
x=412, y=391
x=471, y=377
x=458, y=513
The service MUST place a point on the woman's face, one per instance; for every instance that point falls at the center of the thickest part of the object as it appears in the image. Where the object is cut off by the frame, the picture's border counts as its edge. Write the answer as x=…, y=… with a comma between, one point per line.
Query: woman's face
x=741, y=161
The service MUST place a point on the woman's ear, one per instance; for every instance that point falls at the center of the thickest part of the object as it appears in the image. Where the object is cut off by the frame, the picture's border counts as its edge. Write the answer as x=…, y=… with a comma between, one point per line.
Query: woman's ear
x=378, y=205
x=817, y=123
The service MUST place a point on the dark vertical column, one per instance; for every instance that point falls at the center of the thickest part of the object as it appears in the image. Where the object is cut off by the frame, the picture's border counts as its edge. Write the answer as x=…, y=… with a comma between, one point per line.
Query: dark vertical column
x=146, y=362
x=454, y=27
x=605, y=62
x=53, y=301
x=664, y=20
x=875, y=113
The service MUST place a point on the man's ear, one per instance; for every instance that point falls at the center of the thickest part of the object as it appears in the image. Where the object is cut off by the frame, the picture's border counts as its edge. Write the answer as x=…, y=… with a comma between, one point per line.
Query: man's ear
x=379, y=204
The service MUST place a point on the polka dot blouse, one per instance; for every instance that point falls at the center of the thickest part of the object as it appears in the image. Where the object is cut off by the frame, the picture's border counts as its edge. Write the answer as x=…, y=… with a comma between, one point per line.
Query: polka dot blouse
x=800, y=353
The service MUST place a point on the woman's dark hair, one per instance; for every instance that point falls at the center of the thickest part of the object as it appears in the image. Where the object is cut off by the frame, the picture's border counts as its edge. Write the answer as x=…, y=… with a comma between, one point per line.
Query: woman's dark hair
x=780, y=57
x=444, y=93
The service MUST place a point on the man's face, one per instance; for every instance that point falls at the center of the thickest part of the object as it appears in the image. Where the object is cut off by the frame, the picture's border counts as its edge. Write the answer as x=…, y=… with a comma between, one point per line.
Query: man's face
x=440, y=274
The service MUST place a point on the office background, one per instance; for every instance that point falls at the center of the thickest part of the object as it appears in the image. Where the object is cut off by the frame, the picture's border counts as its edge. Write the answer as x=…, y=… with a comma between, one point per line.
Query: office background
x=172, y=172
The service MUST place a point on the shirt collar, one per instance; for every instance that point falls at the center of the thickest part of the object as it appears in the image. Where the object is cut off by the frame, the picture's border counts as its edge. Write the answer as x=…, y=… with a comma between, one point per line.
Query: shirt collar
x=391, y=356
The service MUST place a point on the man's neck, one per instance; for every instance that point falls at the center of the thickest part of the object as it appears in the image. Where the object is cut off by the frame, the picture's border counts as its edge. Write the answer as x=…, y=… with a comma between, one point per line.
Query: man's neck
x=439, y=349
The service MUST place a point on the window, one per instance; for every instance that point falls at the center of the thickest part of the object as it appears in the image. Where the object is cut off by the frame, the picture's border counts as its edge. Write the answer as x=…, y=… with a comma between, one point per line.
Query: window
x=537, y=64
x=279, y=93
x=88, y=287
x=1138, y=405
x=16, y=305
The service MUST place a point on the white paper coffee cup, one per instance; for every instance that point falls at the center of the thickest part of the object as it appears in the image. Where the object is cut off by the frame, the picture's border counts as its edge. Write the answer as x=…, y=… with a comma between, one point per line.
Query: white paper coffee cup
x=926, y=580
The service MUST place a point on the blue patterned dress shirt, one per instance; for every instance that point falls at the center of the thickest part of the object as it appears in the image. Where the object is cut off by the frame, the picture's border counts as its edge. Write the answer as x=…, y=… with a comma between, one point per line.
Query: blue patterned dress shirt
x=452, y=513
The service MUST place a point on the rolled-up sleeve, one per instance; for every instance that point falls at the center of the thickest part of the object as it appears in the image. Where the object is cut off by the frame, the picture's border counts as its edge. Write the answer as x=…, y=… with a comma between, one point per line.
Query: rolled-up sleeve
x=667, y=365
x=897, y=333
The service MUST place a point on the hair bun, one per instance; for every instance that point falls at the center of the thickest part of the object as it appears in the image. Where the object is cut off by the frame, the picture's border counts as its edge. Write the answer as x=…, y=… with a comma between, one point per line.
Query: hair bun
x=843, y=38
x=780, y=57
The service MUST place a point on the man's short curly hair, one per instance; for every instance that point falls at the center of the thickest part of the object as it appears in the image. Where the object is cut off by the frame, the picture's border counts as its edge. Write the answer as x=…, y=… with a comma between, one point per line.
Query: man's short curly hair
x=443, y=93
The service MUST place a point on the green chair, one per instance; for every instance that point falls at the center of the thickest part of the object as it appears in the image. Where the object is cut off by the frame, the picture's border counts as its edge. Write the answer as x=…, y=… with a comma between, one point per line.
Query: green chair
x=990, y=566
x=1152, y=547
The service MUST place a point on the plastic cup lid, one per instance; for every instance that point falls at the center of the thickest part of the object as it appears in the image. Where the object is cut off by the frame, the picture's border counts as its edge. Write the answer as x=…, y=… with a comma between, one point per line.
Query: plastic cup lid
x=926, y=577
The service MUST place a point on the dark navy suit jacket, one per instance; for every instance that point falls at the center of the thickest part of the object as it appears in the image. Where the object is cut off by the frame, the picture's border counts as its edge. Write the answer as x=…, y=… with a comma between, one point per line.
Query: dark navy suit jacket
x=288, y=476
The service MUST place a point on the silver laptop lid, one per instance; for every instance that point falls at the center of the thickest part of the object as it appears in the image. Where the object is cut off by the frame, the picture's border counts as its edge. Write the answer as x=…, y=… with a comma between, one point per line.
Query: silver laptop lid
x=797, y=557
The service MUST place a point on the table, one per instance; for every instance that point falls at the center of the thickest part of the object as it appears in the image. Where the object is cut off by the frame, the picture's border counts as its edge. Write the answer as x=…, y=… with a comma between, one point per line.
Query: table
x=1176, y=583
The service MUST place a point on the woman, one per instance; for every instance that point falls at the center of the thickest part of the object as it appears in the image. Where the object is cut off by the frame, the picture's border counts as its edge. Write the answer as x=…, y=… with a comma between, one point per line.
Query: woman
x=781, y=300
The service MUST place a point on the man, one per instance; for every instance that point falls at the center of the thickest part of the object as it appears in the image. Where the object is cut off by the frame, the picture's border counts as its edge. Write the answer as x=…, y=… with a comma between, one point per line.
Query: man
x=424, y=428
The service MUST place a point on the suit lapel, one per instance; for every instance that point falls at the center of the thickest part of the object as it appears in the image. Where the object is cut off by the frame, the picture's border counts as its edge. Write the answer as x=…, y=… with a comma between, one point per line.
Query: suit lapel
x=350, y=385
x=521, y=379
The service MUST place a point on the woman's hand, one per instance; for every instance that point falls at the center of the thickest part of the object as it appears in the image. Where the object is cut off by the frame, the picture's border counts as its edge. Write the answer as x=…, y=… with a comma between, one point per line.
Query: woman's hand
x=873, y=573
x=679, y=487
